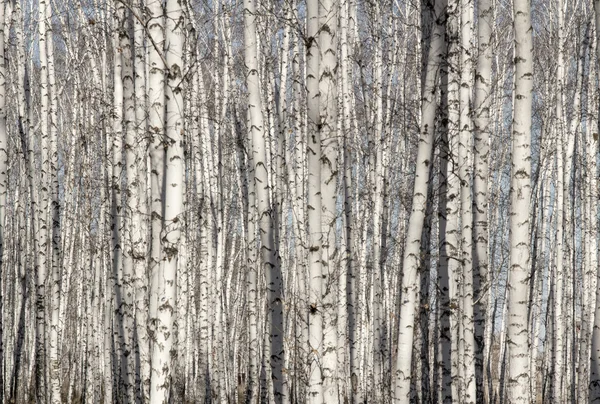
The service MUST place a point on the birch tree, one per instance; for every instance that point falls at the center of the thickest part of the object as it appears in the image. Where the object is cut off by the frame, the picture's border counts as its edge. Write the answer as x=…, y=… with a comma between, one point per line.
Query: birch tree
x=327, y=126
x=481, y=122
x=163, y=347
x=269, y=253
x=518, y=377
x=315, y=308
x=156, y=126
x=42, y=238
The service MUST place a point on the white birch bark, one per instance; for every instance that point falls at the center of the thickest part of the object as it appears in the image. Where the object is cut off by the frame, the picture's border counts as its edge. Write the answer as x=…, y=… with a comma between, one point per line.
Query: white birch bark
x=131, y=234
x=355, y=392
x=453, y=201
x=252, y=282
x=313, y=207
x=42, y=236
x=481, y=122
x=139, y=231
x=378, y=178
x=445, y=337
x=299, y=192
x=164, y=345
x=558, y=343
x=520, y=200
x=269, y=252
x=465, y=150
x=120, y=338
x=205, y=247
x=55, y=252
x=327, y=126
x=215, y=181
x=156, y=134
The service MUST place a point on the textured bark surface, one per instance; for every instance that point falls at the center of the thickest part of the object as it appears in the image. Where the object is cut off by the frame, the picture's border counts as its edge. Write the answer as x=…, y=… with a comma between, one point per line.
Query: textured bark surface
x=520, y=201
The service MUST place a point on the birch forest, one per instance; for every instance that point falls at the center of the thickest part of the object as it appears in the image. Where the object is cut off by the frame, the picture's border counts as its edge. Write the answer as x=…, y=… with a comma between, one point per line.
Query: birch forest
x=299, y=201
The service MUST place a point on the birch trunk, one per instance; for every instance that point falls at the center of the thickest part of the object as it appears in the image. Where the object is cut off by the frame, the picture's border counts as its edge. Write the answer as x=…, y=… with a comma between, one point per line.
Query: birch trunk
x=164, y=346
x=453, y=201
x=313, y=207
x=139, y=230
x=558, y=345
x=42, y=235
x=445, y=337
x=481, y=122
x=520, y=200
x=119, y=338
x=377, y=142
x=156, y=135
x=465, y=150
x=131, y=235
x=54, y=214
x=327, y=126
x=350, y=266
x=269, y=251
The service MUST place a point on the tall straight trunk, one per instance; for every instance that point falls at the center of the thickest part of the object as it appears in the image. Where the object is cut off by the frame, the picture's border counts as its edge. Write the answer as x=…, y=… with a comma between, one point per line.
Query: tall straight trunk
x=350, y=267
x=215, y=181
x=379, y=136
x=299, y=192
x=315, y=241
x=164, y=347
x=252, y=284
x=559, y=334
x=205, y=246
x=412, y=252
x=120, y=338
x=195, y=215
x=452, y=244
x=445, y=338
x=481, y=122
x=156, y=129
x=252, y=274
x=327, y=126
x=131, y=233
x=520, y=200
x=492, y=301
x=42, y=235
x=139, y=229
x=544, y=275
x=465, y=150
x=266, y=223
x=55, y=252
x=423, y=382
x=377, y=141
